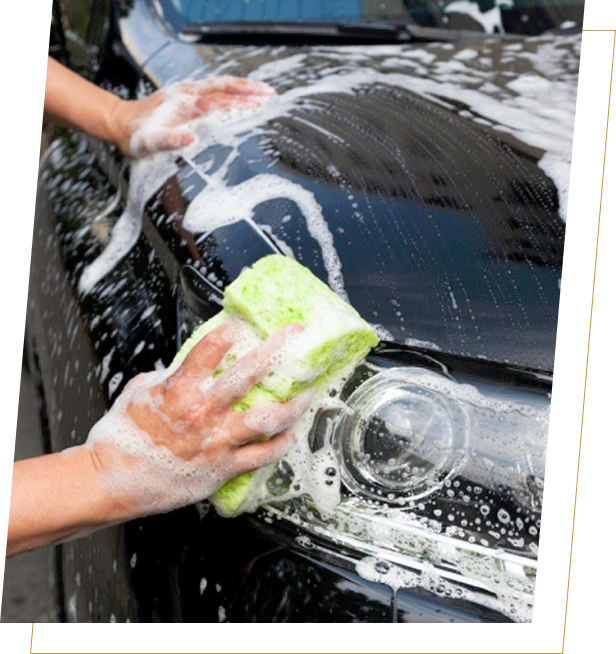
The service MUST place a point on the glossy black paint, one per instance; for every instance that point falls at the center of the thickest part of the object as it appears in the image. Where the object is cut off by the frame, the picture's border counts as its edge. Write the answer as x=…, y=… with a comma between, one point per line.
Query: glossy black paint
x=507, y=284
x=87, y=347
x=278, y=583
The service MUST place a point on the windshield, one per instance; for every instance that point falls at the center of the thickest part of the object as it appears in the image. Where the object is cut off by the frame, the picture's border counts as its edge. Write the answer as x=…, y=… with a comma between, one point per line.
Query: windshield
x=493, y=16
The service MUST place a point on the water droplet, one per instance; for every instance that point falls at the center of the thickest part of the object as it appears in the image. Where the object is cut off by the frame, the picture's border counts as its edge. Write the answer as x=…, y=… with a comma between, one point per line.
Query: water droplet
x=382, y=567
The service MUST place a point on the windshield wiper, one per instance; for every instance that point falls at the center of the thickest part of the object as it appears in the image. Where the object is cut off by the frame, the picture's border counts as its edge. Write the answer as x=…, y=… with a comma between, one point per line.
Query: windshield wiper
x=322, y=32
x=346, y=31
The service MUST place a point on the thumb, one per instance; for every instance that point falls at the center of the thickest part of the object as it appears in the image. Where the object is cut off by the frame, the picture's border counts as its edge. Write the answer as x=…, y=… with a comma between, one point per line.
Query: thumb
x=145, y=142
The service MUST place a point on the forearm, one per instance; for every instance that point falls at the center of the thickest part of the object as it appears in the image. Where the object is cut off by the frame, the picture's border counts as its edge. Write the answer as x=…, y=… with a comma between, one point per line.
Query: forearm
x=55, y=497
x=72, y=101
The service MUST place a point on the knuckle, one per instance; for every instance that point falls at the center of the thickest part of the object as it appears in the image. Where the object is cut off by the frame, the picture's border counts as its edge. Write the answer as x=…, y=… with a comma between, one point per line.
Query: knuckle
x=209, y=344
x=174, y=387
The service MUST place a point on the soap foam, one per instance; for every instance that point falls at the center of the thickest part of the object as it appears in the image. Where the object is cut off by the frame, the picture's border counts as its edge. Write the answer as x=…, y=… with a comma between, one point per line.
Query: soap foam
x=536, y=107
x=491, y=20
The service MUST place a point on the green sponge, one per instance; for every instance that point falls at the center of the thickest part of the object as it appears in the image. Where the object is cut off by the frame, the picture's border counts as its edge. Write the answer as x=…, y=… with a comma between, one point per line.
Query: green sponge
x=276, y=292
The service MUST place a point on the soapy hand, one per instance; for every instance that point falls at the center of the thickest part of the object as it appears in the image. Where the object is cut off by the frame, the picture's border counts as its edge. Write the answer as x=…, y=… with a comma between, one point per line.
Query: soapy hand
x=171, y=440
x=160, y=121
x=142, y=127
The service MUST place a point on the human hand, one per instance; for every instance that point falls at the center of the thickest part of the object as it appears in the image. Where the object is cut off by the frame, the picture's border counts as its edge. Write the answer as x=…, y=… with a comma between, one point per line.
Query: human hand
x=172, y=440
x=160, y=121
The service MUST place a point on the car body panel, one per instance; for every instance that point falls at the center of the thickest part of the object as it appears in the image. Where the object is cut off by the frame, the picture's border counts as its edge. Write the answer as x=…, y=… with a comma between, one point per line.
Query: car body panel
x=492, y=198
x=455, y=186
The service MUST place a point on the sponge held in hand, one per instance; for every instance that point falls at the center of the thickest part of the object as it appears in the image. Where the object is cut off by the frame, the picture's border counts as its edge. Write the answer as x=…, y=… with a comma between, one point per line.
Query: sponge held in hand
x=275, y=292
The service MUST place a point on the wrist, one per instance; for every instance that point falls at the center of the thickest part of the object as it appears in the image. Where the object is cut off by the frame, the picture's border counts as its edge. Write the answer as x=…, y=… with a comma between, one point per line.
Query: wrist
x=109, y=508
x=117, y=123
x=59, y=496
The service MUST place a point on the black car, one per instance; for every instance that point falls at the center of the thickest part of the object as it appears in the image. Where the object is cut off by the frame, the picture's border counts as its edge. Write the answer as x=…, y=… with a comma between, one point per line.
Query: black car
x=420, y=166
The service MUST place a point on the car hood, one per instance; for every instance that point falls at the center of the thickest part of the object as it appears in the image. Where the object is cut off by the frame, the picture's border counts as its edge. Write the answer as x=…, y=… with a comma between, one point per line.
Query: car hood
x=427, y=184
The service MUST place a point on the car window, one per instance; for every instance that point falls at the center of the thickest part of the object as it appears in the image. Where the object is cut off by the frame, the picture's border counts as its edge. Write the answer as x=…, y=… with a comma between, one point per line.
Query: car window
x=517, y=16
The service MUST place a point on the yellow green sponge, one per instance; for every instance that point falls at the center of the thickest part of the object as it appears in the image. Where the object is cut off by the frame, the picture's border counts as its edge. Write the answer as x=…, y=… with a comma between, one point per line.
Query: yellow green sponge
x=275, y=292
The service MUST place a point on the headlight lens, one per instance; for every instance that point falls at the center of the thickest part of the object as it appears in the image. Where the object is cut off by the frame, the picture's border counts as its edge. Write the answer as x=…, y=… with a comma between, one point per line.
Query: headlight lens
x=400, y=441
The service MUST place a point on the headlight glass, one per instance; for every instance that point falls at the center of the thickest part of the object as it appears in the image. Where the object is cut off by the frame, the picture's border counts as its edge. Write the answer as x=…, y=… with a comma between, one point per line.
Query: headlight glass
x=400, y=440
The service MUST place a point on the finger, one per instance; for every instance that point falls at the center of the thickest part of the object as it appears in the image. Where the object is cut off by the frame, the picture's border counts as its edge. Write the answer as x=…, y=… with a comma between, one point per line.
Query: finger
x=202, y=360
x=186, y=112
x=235, y=382
x=182, y=111
x=157, y=140
x=228, y=84
x=269, y=419
x=218, y=101
x=258, y=455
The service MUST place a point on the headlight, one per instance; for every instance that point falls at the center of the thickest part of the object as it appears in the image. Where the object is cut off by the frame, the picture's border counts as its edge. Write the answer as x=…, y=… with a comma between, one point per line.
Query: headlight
x=441, y=485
